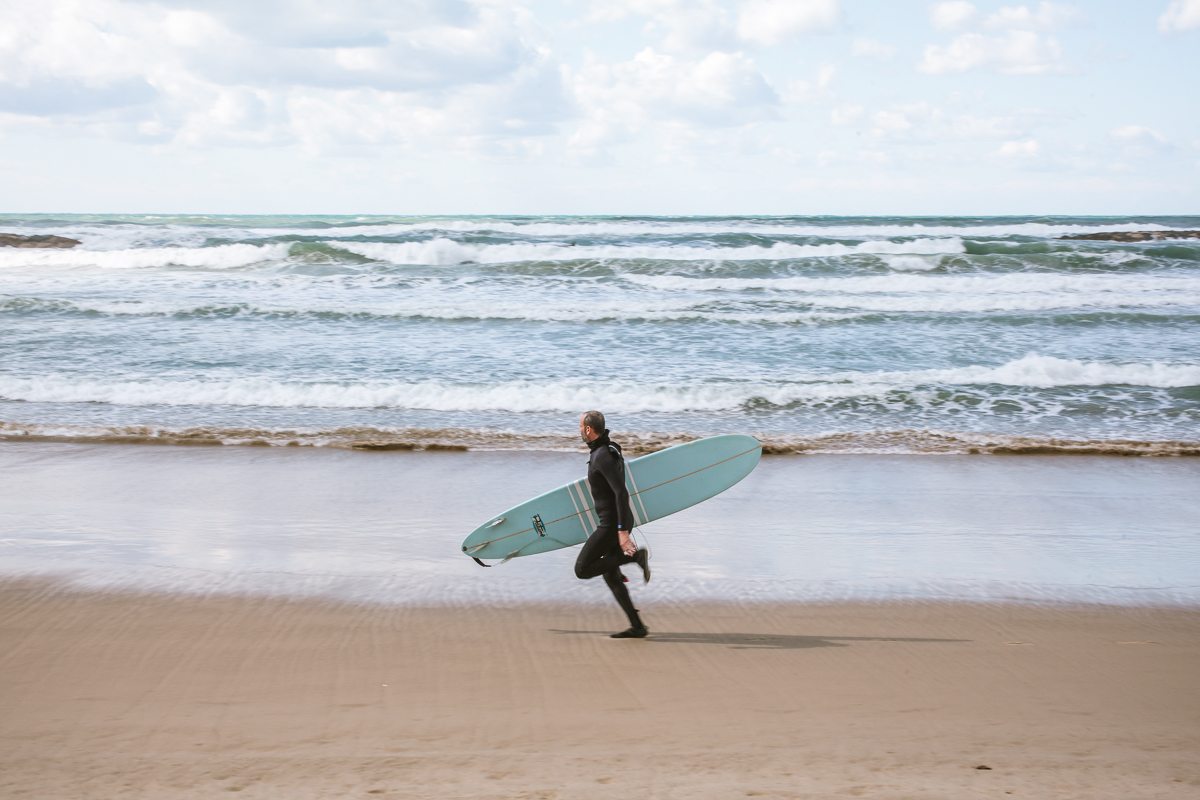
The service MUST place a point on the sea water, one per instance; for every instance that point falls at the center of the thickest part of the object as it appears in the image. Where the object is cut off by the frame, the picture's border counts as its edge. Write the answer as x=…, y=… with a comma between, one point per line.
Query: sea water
x=816, y=334
x=959, y=339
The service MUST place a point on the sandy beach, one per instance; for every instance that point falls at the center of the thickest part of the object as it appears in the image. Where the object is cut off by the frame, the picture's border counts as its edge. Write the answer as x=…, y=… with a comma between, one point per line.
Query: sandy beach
x=298, y=623
x=143, y=695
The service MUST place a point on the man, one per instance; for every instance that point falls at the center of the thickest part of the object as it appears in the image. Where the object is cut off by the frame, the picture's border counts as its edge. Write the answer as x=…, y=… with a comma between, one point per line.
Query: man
x=610, y=546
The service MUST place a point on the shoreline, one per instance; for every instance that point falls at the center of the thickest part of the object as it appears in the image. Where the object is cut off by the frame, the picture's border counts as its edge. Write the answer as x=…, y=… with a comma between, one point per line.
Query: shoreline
x=51, y=585
x=318, y=522
x=176, y=698
x=635, y=443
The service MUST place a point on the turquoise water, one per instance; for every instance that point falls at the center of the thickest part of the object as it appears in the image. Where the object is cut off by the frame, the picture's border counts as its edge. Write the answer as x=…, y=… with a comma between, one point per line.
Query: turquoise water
x=820, y=334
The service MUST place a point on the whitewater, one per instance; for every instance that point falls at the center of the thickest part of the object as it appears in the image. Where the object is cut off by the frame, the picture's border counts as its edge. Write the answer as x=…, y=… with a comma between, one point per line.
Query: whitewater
x=931, y=335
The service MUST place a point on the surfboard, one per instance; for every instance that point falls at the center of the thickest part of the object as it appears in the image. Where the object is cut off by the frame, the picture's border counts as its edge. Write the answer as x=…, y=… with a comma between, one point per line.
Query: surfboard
x=659, y=484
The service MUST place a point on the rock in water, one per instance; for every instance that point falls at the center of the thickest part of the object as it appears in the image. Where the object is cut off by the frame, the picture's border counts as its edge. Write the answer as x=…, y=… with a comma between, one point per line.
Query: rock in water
x=43, y=240
x=1135, y=236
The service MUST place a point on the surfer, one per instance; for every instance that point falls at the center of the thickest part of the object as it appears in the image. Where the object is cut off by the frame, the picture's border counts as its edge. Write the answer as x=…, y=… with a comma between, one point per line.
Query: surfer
x=610, y=546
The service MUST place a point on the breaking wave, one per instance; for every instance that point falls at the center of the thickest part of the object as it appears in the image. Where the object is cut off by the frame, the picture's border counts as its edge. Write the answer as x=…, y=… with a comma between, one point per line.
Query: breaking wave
x=706, y=324
x=118, y=234
x=659, y=311
x=449, y=252
x=566, y=395
x=226, y=256
x=768, y=227
x=621, y=295
x=1020, y=282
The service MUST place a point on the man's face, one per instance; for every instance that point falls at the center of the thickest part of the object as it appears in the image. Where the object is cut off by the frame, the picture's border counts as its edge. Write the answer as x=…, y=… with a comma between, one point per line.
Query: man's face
x=584, y=430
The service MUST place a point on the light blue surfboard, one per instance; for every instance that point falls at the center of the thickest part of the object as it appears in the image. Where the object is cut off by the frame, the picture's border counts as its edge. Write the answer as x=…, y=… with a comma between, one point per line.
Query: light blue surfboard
x=659, y=484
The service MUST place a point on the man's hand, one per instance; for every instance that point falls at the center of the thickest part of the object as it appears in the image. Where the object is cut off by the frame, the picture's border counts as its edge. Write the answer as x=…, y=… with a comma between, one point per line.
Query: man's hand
x=627, y=545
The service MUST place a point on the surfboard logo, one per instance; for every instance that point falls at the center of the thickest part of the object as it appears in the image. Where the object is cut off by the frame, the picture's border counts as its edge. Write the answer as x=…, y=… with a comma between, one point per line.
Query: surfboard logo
x=538, y=525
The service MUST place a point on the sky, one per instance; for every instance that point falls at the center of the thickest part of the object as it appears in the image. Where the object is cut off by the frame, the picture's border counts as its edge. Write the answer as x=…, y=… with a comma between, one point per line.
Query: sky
x=872, y=107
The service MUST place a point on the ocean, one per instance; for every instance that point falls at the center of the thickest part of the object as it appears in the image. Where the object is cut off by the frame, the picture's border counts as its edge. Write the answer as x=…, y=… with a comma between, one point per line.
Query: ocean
x=933, y=346
x=817, y=334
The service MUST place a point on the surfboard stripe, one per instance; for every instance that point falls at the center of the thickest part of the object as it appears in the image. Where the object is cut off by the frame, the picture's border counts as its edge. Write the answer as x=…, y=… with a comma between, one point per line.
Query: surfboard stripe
x=572, y=488
x=574, y=501
x=637, y=496
x=589, y=503
x=582, y=487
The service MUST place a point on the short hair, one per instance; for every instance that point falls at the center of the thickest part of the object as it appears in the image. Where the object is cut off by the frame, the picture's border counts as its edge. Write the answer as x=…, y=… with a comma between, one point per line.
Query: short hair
x=594, y=420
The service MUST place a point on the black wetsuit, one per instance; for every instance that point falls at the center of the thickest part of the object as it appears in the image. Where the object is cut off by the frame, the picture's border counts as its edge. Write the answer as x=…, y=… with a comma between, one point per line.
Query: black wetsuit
x=601, y=553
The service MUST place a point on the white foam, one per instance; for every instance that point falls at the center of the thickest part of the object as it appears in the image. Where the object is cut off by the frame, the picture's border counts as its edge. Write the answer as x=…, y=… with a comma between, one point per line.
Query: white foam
x=1047, y=372
x=519, y=396
x=445, y=252
x=934, y=303
x=563, y=310
x=625, y=295
x=912, y=263
x=226, y=256
x=616, y=229
x=920, y=284
x=168, y=231
x=700, y=227
x=1023, y=291
x=526, y=395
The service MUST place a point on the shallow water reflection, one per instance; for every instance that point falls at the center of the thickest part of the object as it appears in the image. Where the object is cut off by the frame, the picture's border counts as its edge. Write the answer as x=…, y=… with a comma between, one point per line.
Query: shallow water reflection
x=386, y=527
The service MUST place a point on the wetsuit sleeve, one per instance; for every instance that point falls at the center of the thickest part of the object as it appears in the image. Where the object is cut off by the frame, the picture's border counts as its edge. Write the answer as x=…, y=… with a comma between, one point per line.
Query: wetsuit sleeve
x=613, y=470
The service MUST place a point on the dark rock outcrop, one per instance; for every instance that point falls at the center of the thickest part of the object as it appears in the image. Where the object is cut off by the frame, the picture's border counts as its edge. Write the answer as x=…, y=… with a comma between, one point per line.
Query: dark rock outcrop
x=1134, y=236
x=43, y=240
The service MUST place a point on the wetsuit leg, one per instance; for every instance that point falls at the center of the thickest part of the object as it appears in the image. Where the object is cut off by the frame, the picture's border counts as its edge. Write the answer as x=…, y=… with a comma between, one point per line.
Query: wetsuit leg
x=616, y=584
x=601, y=555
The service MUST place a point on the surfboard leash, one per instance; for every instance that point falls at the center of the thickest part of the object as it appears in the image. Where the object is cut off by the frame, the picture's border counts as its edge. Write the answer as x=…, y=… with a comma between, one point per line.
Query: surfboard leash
x=515, y=553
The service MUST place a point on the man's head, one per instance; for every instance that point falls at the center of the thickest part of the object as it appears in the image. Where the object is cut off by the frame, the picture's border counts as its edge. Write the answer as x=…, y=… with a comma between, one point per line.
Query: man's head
x=591, y=426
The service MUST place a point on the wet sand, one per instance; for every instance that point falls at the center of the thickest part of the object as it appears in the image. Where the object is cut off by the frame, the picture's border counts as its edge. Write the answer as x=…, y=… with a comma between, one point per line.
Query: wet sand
x=387, y=527
x=110, y=695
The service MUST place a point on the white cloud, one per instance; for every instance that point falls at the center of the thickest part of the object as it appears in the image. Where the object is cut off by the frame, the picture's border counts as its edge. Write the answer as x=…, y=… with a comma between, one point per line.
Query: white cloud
x=1140, y=142
x=846, y=114
x=696, y=26
x=953, y=15
x=1027, y=149
x=1018, y=53
x=958, y=15
x=896, y=124
x=1030, y=156
x=1138, y=133
x=1022, y=51
x=923, y=122
x=719, y=90
x=616, y=10
x=677, y=25
x=871, y=48
x=1048, y=17
x=801, y=91
x=771, y=22
x=499, y=119
x=871, y=158
x=1180, y=16
x=691, y=26
x=968, y=126
x=208, y=71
